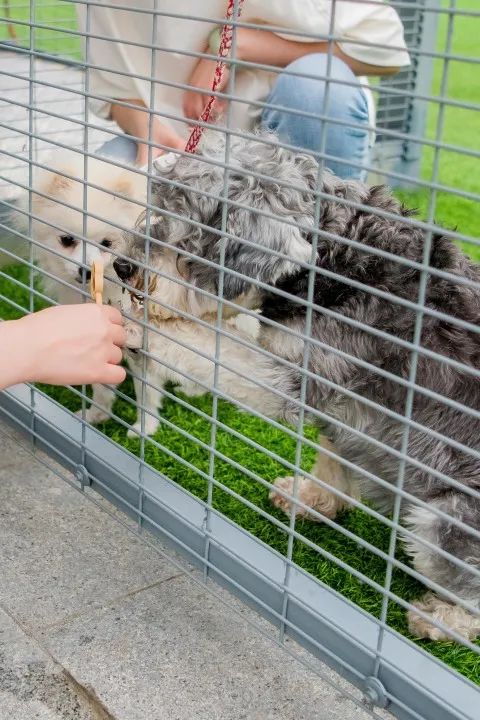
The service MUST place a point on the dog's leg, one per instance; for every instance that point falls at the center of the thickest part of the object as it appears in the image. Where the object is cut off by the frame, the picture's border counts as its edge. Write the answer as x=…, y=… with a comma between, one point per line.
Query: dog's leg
x=452, y=616
x=310, y=493
x=149, y=397
x=152, y=400
x=460, y=544
x=100, y=410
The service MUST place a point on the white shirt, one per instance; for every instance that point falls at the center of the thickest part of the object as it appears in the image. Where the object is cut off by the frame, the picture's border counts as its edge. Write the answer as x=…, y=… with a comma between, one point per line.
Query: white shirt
x=355, y=21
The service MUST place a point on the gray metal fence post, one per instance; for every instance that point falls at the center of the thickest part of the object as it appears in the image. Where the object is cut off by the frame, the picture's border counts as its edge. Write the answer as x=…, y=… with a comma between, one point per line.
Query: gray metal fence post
x=406, y=113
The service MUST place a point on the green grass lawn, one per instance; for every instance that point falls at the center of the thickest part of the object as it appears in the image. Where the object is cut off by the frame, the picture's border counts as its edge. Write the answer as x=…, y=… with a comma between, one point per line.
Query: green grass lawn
x=461, y=128
x=58, y=17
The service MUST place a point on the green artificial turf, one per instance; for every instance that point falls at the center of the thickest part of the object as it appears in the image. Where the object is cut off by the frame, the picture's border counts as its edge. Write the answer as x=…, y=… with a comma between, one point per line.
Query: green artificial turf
x=456, y=171
x=460, y=128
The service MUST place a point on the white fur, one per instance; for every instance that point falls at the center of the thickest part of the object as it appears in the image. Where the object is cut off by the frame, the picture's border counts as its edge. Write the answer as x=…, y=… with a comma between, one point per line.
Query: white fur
x=166, y=343
x=54, y=220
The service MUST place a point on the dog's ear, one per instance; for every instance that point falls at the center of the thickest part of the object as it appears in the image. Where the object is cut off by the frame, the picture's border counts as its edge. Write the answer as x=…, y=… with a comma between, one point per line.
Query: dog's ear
x=268, y=249
x=58, y=184
x=124, y=186
x=132, y=185
x=52, y=183
x=189, y=192
x=50, y=186
x=273, y=192
x=268, y=219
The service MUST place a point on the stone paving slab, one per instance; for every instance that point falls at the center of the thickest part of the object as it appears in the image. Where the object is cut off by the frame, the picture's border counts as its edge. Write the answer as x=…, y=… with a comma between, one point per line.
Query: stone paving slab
x=60, y=555
x=99, y=625
x=32, y=685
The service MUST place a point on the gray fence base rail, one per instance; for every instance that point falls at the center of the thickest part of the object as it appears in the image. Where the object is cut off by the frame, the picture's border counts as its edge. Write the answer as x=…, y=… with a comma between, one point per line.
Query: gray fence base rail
x=414, y=684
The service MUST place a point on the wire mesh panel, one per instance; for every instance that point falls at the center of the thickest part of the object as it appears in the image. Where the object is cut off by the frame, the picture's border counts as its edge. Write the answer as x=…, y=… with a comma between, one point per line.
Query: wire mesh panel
x=301, y=410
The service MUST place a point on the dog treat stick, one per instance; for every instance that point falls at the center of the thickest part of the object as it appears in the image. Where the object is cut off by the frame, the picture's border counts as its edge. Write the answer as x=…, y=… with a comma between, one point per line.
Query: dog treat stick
x=96, y=282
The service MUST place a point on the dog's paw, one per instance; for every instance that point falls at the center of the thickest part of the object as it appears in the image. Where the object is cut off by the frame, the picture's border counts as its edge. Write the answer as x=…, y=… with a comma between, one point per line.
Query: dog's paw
x=94, y=415
x=310, y=494
x=451, y=616
x=286, y=484
x=134, y=333
x=150, y=427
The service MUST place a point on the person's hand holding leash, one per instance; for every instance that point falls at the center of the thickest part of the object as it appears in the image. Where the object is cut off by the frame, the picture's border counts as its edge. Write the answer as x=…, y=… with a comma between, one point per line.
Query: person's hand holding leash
x=137, y=124
x=194, y=101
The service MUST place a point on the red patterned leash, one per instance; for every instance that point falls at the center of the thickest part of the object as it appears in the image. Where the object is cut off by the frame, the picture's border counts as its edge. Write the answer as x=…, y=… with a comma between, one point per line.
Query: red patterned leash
x=224, y=49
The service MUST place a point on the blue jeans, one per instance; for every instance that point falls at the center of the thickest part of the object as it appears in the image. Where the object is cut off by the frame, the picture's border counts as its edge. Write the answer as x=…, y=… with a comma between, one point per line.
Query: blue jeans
x=347, y=103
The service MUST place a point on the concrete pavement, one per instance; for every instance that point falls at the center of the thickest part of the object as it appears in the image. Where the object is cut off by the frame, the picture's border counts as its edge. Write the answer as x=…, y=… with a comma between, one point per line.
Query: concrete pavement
x=94, y=623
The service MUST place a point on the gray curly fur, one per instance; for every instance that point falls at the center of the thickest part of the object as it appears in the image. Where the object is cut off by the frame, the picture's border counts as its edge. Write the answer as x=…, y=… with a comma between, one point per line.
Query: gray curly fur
x=365, y=227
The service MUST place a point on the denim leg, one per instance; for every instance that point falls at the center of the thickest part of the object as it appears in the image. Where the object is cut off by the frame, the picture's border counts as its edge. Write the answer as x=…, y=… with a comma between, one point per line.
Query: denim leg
x=121, y=148
x=345, y=102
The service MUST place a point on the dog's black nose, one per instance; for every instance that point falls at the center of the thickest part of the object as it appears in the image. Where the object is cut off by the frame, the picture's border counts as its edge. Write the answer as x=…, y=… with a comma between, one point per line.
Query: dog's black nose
x=123, y=268
x=82, y=273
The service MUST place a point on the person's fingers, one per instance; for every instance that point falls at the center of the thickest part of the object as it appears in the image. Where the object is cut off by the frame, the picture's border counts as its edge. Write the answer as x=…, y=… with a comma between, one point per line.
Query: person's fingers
x=142, y=155
x=220, y=107
x=179, y=144
x=113, y=314
x=189, y=107
x=118, y=335
x=194, y=104
x=115, y=355
x=113, y=375
x=156, y=152
x=190, y=103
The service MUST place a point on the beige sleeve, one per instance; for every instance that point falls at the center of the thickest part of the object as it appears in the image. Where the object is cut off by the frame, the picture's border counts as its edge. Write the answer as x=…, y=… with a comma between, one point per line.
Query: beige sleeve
x=371, y=33
x=110, y=55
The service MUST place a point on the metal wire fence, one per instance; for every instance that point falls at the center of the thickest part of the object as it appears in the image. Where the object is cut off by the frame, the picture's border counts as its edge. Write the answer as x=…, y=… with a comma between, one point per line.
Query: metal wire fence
x=302, y=407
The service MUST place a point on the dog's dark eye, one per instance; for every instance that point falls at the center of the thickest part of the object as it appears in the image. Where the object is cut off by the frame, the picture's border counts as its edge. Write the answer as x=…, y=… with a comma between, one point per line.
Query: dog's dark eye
x=106, y=243
x=67, y=240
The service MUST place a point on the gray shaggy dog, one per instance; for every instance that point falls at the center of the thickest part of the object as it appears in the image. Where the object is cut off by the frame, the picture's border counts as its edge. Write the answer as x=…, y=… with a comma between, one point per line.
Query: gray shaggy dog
x=360, y=400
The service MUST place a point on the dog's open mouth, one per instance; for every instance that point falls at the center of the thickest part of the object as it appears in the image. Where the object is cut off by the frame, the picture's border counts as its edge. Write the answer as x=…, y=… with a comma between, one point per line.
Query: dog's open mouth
x=132, y=301
x=137, y=300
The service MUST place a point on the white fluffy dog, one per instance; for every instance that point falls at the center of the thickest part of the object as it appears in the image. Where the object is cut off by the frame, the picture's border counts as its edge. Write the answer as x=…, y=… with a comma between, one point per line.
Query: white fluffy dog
x=59, y=225
x=59, y=222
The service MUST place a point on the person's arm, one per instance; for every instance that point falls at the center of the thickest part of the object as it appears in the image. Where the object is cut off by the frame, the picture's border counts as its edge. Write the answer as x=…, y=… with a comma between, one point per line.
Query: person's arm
x=265, y=48
x=136, y=123
x=63, y=345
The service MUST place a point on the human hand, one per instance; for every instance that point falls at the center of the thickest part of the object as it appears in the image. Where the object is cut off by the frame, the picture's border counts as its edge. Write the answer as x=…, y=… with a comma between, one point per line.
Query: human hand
x=72, y=345
x=194, y=101
x=136, y=122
